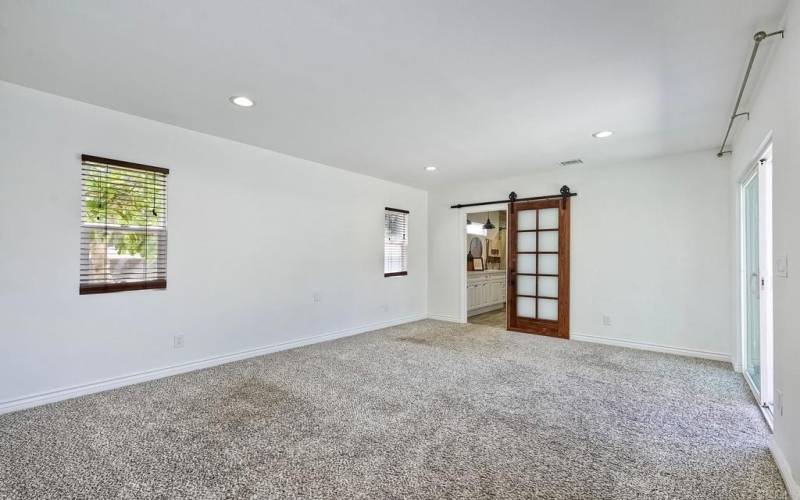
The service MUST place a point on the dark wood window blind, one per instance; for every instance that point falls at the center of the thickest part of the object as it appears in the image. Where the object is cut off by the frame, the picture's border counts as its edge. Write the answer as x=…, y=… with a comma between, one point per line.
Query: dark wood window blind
x=395, y=242
x=123, y=226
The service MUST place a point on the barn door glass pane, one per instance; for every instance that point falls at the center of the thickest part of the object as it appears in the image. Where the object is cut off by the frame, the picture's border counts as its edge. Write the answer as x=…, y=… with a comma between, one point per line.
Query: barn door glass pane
x=548, y=218
x=526, y=220
x=548, y=309
x=526, y=307
x=526, y=263
x=526, y=285
x=548, y=241
x=548, y=264
x=526, y=242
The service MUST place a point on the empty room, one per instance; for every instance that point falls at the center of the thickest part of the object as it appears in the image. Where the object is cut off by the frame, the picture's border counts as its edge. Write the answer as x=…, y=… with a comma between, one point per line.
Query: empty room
x=399, y=249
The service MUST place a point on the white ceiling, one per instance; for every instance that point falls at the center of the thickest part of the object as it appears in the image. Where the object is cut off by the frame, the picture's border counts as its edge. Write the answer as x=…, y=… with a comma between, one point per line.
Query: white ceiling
x=478, y=88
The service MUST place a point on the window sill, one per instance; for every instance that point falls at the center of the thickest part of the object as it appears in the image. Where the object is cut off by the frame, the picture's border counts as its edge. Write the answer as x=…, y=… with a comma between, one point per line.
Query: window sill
x=401, y=273
x=122, y=287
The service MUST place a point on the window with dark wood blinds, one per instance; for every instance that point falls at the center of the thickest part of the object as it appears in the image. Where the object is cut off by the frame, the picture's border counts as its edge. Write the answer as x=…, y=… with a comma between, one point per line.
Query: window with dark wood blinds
x=395, y=242
x=123, y=226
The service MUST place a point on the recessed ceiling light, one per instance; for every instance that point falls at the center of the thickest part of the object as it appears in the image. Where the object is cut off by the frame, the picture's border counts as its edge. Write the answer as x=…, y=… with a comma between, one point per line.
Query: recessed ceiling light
x=243, y=101
x=430, y=168
x=603, y=134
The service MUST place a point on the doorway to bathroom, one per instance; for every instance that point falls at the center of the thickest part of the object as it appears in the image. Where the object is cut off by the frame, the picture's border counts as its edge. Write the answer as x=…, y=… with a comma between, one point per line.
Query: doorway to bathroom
x=486, y=267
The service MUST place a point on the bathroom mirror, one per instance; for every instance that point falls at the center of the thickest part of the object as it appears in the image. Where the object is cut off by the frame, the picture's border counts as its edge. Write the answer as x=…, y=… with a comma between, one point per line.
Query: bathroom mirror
x=476, y=248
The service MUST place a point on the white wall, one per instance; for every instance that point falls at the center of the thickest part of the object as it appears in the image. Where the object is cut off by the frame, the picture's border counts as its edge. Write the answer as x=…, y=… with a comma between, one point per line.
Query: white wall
x=253, y=235
x=776, y=110
x=650, y=248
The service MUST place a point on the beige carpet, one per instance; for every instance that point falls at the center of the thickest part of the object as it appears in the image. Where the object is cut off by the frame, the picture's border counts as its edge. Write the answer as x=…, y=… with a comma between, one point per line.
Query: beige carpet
x=424, y=410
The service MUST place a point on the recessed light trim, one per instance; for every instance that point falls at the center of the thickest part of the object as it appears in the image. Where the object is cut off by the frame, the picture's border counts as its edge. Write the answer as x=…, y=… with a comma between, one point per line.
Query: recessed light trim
x=244, y=102
x=602, y=134
x=430, y=168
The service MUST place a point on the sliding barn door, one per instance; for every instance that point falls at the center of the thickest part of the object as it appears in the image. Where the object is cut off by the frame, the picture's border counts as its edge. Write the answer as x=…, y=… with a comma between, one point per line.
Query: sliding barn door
x=538, y=267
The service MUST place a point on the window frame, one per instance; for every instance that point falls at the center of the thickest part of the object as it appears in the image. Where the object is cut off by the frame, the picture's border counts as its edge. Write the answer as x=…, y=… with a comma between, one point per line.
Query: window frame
x=111, y=287
x=404, y=272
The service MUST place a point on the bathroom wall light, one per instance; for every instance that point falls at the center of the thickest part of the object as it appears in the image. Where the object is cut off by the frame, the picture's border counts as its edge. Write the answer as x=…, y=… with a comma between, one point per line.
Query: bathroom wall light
x=603, y=134
x=430, y=168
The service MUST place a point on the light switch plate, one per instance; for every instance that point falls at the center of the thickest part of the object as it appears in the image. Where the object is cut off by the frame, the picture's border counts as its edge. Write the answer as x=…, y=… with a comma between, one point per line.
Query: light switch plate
x=781, y=268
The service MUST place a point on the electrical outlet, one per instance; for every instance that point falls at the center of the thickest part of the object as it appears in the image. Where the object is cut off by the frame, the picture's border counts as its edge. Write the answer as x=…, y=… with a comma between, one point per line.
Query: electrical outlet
x=177, y=341
x=317, y=297
x=606, y=320
x=779, y=402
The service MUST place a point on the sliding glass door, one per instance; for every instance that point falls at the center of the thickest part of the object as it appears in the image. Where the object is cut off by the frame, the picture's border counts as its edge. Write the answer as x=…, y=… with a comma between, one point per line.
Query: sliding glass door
x=752, y=292
x=756, y=227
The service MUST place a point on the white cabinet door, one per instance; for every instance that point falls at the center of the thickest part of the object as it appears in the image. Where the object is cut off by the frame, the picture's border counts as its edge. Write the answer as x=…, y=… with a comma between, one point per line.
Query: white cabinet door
x=476, y=296
x=497, y=292
x=470, y=296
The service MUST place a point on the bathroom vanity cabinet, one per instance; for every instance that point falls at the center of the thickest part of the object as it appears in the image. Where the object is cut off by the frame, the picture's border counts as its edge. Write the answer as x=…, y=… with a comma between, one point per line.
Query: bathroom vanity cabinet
x=486, y=291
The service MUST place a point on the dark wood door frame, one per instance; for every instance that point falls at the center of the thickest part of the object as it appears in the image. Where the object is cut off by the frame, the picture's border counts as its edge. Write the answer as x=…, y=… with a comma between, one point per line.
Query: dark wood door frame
x=558, y=328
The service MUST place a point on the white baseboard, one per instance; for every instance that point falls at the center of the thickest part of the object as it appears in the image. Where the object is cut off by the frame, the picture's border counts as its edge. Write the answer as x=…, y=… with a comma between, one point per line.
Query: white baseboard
x=633, y=344
x=135, y=378
x=786, y=472
x=445, y=317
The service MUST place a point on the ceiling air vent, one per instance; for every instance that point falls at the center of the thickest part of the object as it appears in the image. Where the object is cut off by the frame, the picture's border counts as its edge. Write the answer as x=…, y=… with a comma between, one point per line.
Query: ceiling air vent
x=569, y=163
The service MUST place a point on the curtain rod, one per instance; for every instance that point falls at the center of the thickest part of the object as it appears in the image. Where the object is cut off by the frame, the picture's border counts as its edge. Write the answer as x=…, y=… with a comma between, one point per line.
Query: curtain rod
x=512, y=197
x=757, y=39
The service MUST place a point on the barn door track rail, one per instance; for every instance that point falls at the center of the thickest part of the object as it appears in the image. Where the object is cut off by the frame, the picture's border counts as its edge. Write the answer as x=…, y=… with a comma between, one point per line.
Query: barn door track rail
x=512, y=197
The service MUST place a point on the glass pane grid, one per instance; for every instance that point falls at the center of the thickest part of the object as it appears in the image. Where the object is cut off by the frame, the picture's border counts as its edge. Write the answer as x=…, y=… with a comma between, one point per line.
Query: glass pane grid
x=537, y=264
